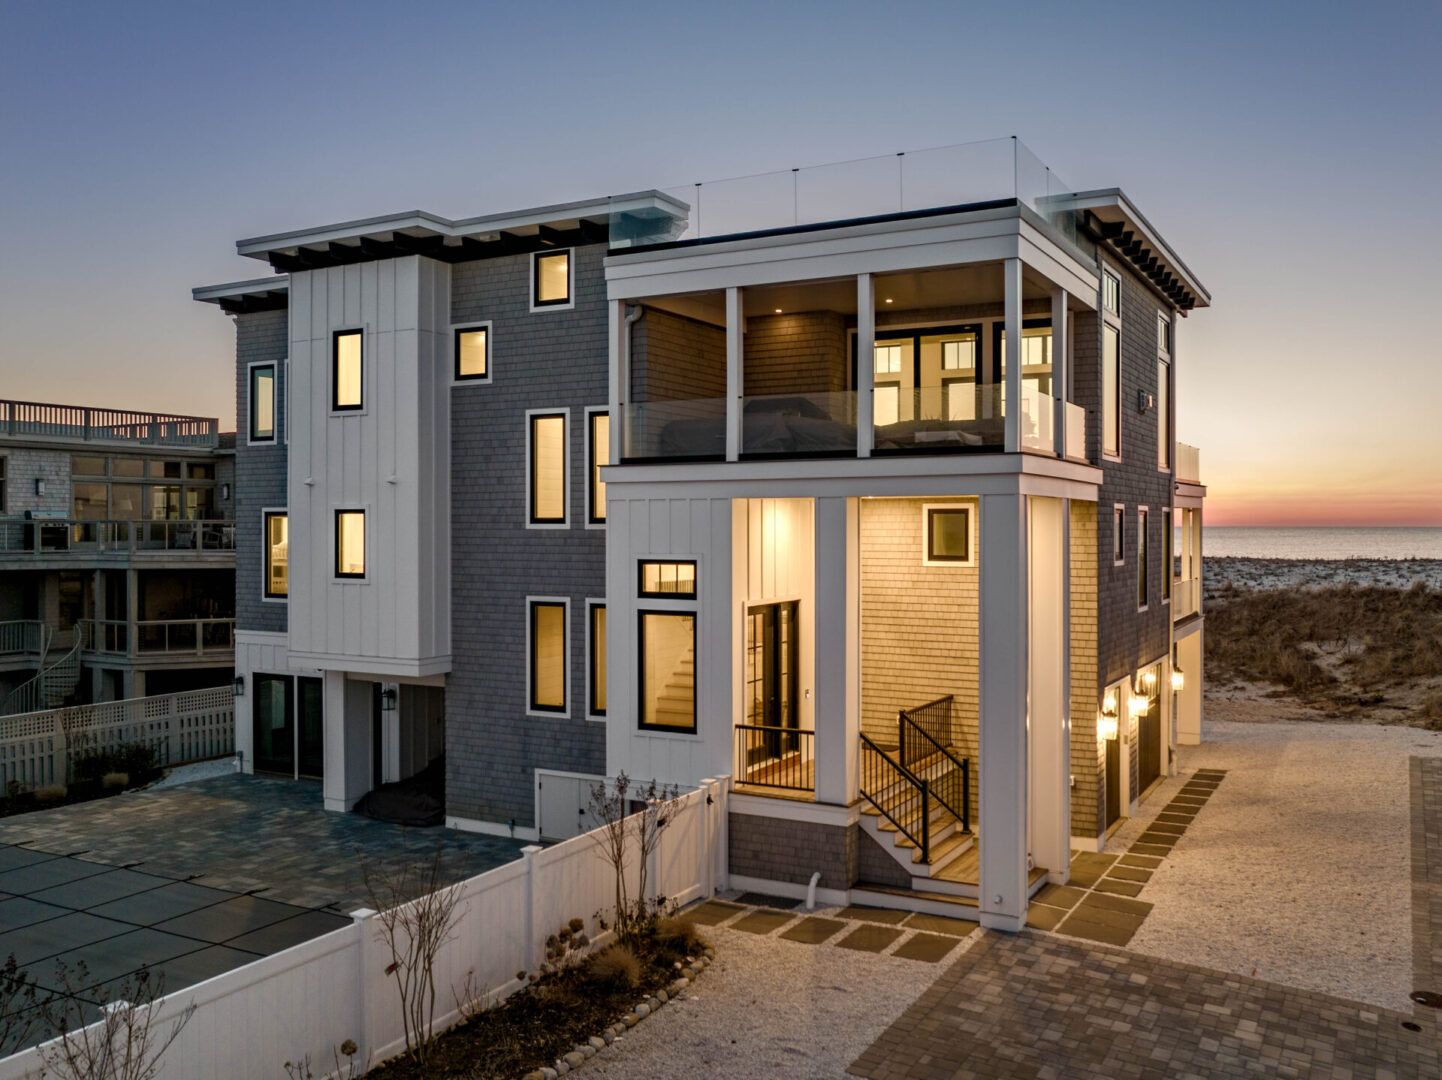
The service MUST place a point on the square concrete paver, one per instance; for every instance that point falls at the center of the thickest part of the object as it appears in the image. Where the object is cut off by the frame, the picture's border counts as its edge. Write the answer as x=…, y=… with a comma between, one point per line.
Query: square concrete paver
x=1059, y=896
x=1146, y=862
x=780, y=903
x=1121, y=888
x=940, y=924
x=867, y=914
x=931, y=948
x=762, y=922
x=870, y=938
x=1129, y=873
x=1043, y=917
x=813, y=930
x=1108, y=927
x=711, y=912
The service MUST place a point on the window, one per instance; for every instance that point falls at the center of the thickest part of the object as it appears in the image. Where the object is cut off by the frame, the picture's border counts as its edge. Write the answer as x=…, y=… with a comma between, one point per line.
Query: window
x=1164, y=333
x=551, y=283
x=346, y=372
x=90, y=501
x=127, y=502
x=197, y=471
x=473, y=358
x=1119, y=535
x=277, y=554
x=81, y=465
x=547, y=438
x=948, y=539
x=4, y=506
x=165, y=502
x=262, y=403
x=1111, y=390
x=1164, y=392
x=888, y=359
x=169, y=470
x=548, y=656
x=1111, y=293
x=597, y=659
x=350, y=543
x=673, y=580
x=668, y=670
x=598, y=453
x=1142, y=557
x=134, y=467
x=1166, y=556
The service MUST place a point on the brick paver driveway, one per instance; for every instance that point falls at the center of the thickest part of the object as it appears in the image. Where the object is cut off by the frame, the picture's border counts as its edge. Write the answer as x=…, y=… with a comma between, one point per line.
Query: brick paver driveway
x=1038, y=1006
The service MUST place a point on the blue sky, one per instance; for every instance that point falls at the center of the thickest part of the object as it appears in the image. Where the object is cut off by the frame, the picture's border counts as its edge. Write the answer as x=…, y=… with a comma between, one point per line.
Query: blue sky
x=1290, y=152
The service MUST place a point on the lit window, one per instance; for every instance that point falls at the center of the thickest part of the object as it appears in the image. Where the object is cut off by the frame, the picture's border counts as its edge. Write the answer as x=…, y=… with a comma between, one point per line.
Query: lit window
x=1111, y=293
x=1164, y=415
x=675, y=580
x=548, y=656
x=1166, y=554
x=598, y=659
x=1111, y=390
x=668, y=670
x=553, y=278
x=1164, y=333
x=1119, y=535
x=350, y=543
x=957, y=355
x=472, y=359
x=888, y=359
x=90, y=501
x=600, y=436
x=262, y=403
x=948, y=535
x=1142, y=556
x=548, y=469
x=81, y=465
x=277, y=555
x=346, y=371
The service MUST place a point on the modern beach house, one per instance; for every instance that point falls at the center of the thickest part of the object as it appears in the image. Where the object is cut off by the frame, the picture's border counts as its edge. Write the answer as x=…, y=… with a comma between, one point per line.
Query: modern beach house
x=117, y=558
x=857, y=484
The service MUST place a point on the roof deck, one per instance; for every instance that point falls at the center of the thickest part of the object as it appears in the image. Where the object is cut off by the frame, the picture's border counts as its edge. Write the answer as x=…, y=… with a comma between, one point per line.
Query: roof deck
x=82, y=423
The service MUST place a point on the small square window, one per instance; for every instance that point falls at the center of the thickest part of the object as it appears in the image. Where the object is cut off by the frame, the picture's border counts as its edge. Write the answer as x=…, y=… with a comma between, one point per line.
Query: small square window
x=1111, y=292
x=673, y=580
x=346, y=390
x=948, y=536
x=473, y=353
x=552, y=285
x=350, y=543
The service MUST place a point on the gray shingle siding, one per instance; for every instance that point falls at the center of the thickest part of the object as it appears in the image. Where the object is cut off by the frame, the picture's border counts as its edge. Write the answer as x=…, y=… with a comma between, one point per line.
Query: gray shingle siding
x=548, y=359
x=260, y=471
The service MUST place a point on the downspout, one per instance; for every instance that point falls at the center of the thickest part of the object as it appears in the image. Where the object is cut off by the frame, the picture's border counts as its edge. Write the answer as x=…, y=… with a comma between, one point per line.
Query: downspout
x=811, y=891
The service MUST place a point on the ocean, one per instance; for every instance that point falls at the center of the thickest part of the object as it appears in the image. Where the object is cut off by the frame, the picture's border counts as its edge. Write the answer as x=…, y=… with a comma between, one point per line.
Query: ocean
x=1221, y=541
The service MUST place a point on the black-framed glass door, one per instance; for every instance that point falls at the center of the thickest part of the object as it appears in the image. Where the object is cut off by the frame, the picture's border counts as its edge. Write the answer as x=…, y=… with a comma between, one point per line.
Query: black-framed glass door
x=772, y=634
x=310, y=727
x=272, y=727
x=1114, y=781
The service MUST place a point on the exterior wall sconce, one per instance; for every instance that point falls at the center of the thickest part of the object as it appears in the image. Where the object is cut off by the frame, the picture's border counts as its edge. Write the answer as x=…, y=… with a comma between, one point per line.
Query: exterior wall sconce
x=1109, y=705
x=1145, y=401
x=1179, y=681
x=240, y=686
x=39, y=485
x=388, y=699
x=1137, y=704
x=225, y=493
x=1107, y=728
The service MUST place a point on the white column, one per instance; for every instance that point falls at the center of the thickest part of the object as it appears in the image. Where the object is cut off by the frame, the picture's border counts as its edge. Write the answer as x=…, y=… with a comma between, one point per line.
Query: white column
x=1011, y=288
x=1002, y=828
x=1060, y=365
x=838, y=650
x=619, y=338
x=1049, y=722
x=735, y=358
x=865, y=364
x=347, y=708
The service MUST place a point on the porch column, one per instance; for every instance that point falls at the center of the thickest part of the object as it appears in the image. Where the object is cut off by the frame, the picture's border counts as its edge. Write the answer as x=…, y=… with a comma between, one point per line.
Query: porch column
x=1002, y=829
x=735, y=358
x=1060, y=366
x=619, y=339
x=1011, y=288
x=837, y=705
x=865, y=364
x=347, y=707
x=132, y=613
x=1049, y=679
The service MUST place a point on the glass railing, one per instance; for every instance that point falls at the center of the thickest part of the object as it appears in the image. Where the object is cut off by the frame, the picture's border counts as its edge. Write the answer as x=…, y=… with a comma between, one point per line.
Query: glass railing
x=1076, y=432
x=691, y=428
x=926, y=419
x=1186, y=598
x=1038, y=419
x=51, y=536
x=1189, y=465
x=822, y=422
x=914, y=181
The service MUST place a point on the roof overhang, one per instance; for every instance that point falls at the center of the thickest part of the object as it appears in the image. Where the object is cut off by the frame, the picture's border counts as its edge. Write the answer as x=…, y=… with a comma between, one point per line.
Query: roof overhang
x=416, y=232
x=1109, y=217
x=245, y=297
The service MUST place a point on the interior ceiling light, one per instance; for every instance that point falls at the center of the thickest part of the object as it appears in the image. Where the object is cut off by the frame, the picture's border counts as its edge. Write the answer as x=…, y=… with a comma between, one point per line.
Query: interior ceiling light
x=778, y=311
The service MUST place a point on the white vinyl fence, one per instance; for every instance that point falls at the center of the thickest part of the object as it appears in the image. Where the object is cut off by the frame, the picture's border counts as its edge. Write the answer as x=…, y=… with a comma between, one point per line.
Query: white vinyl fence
x=310, y=998
x=36, y=748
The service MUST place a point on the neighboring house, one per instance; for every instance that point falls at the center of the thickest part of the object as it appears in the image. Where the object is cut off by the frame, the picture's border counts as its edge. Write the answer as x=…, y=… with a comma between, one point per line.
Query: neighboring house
x=858, y=486
x=117, y=559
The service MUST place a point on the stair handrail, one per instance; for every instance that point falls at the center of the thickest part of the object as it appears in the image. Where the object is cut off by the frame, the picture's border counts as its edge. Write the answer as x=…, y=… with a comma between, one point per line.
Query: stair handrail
x=924, y=840
x=934, y=715
x=963, y=766
x=32, y=689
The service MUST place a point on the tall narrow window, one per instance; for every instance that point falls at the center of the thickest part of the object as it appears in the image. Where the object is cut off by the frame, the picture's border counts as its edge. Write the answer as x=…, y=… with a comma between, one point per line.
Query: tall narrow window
x=548, y=656
x=600, y=454
x=262, y=403
x=277, y=555
x=1166, y=555
x=668, y=670
x=1111, y=292
x=548, y=469
x=1164, y=392
x=598, y=659
x=1142, y=558
x=346, y=371
x=350, y=543
x=472, y=353
x=1119, y=535
x=3, y=504
x=552, y=284
x=1111, y=390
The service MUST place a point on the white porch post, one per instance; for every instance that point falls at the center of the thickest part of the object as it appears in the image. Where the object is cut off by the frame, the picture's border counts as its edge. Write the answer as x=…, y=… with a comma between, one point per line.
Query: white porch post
x=1011, y=288
x=1060, y=365
x=735, y=356
x=1002, y=829
x=865, y=364
x=347, y=709
x=619, y=379
x=837, y=706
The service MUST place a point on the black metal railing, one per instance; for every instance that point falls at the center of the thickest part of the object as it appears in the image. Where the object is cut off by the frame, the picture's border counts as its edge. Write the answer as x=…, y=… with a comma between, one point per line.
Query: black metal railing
x=898, y=794
x=776, y=757
x=934, y=720
x=950, y=784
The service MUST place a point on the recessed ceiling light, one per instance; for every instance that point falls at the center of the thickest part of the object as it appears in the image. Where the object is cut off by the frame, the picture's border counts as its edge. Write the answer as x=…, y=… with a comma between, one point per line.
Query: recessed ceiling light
x=888, y=299
x=778, y=311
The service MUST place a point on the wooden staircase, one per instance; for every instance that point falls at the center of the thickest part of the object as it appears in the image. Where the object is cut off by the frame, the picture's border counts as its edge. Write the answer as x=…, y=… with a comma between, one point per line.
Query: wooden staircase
x=676, y=704
x=948, y=838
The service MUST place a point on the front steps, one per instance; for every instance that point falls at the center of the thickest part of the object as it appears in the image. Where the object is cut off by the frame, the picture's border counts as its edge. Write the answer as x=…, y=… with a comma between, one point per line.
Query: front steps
x=934, y=897
x=950, y=844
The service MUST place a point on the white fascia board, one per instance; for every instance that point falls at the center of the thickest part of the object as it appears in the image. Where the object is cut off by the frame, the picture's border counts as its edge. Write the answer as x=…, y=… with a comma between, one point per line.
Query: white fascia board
x=384, y=667
x=1115, y=198
x=1040, y=253
x=213, y=294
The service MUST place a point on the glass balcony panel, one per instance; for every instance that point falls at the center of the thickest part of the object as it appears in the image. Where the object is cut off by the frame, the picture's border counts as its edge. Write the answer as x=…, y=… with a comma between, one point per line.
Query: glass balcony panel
x=958, y=416
x=1038, y=413
x=1076, y=432
x=821, y=422
x=689, y=428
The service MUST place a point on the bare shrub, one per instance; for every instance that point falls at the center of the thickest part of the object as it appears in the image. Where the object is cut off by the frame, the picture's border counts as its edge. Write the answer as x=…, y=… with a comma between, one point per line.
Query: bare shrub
x=631, y=815
x=615, y=968
x=115, y=781
x=124, y=1044
x=350, y=1070
x=679, y=935
x=22, y=1007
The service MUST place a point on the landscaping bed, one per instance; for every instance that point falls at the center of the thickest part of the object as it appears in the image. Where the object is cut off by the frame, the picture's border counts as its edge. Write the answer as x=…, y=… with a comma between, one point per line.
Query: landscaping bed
x=94, y=776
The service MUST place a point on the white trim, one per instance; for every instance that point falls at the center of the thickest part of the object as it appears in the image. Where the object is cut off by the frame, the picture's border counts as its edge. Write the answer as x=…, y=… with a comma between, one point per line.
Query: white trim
x=274, y=366
x=1168, y=548
x=1125, y=806
x=1144, y=554
x=570, y=303
x=824, y=897
x=563, y=713
x=1119, y=531
x=815, y=813
x=563, y=411
x=1088, y=843
x=591, y=603
x=973, y=508
x=265, y=512
x=472, y=380
x=285, y=407
x=335, y=511
x=494, y=828
x=588, y=412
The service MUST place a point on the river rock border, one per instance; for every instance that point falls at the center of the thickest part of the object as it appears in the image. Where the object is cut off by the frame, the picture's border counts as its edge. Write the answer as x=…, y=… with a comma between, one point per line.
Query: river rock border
x=583, y=1052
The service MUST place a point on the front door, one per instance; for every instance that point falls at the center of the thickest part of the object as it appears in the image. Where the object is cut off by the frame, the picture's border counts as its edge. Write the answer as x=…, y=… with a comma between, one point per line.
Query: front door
x=310, y=727
x=1114, y=780
x=1149, y=742
x=771, y=652
x=272, y=731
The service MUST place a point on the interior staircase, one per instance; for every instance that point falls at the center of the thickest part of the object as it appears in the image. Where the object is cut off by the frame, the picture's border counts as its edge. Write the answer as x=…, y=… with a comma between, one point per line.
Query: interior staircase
x=52, y=685
x=676, y=704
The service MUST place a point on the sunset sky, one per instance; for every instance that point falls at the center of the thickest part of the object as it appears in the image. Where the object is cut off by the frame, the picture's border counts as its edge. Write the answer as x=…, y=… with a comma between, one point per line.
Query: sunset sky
x=1292, y=154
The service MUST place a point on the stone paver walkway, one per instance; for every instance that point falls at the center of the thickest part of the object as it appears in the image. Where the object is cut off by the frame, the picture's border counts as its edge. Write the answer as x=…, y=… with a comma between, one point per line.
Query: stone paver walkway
x=249, y=834
x=1039, y=1006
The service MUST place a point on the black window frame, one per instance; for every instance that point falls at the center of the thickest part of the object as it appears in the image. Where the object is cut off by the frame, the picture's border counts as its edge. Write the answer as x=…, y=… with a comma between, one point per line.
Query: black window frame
x=1144, y=584
x=255, y=369
x=565, y=418
x=593, y=472
x=536, y=260
x=532, y=656
x=931, y=555
x=592, y=666
x=335, y=405
x=484, y=376
x=335, y=543
x=646, y=594
x=265, y=553
x=641, y=614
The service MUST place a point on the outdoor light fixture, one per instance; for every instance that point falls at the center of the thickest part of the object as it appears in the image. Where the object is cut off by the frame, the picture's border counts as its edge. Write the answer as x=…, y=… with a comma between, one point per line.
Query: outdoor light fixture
x=388, y=699
x=1149, y=677
x=1179, y=681
x=1107, y=728
x=1109, y=704
x=240, y=686
x=1137, y=704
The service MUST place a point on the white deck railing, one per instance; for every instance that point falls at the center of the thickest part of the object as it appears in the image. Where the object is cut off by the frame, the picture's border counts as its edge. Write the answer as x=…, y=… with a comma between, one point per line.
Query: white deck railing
x=160, y=637
x=22, y=637
x=1186, y=598
x=50, y=537
x=38, y=418
x=313, y=996
x=1189, y=466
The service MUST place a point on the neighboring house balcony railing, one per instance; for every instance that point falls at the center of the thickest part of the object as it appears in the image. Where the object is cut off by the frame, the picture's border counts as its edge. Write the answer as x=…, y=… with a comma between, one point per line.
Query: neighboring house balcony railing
x=160, y=638
x=35, y=419
x=48, y=537
x=1186, y=598
x=1189, y=468
x=22, y=637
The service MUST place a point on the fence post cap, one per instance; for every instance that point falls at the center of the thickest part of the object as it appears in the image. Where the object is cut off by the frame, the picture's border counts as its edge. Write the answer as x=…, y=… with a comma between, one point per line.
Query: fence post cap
x=531, y=849
x=362, y=914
